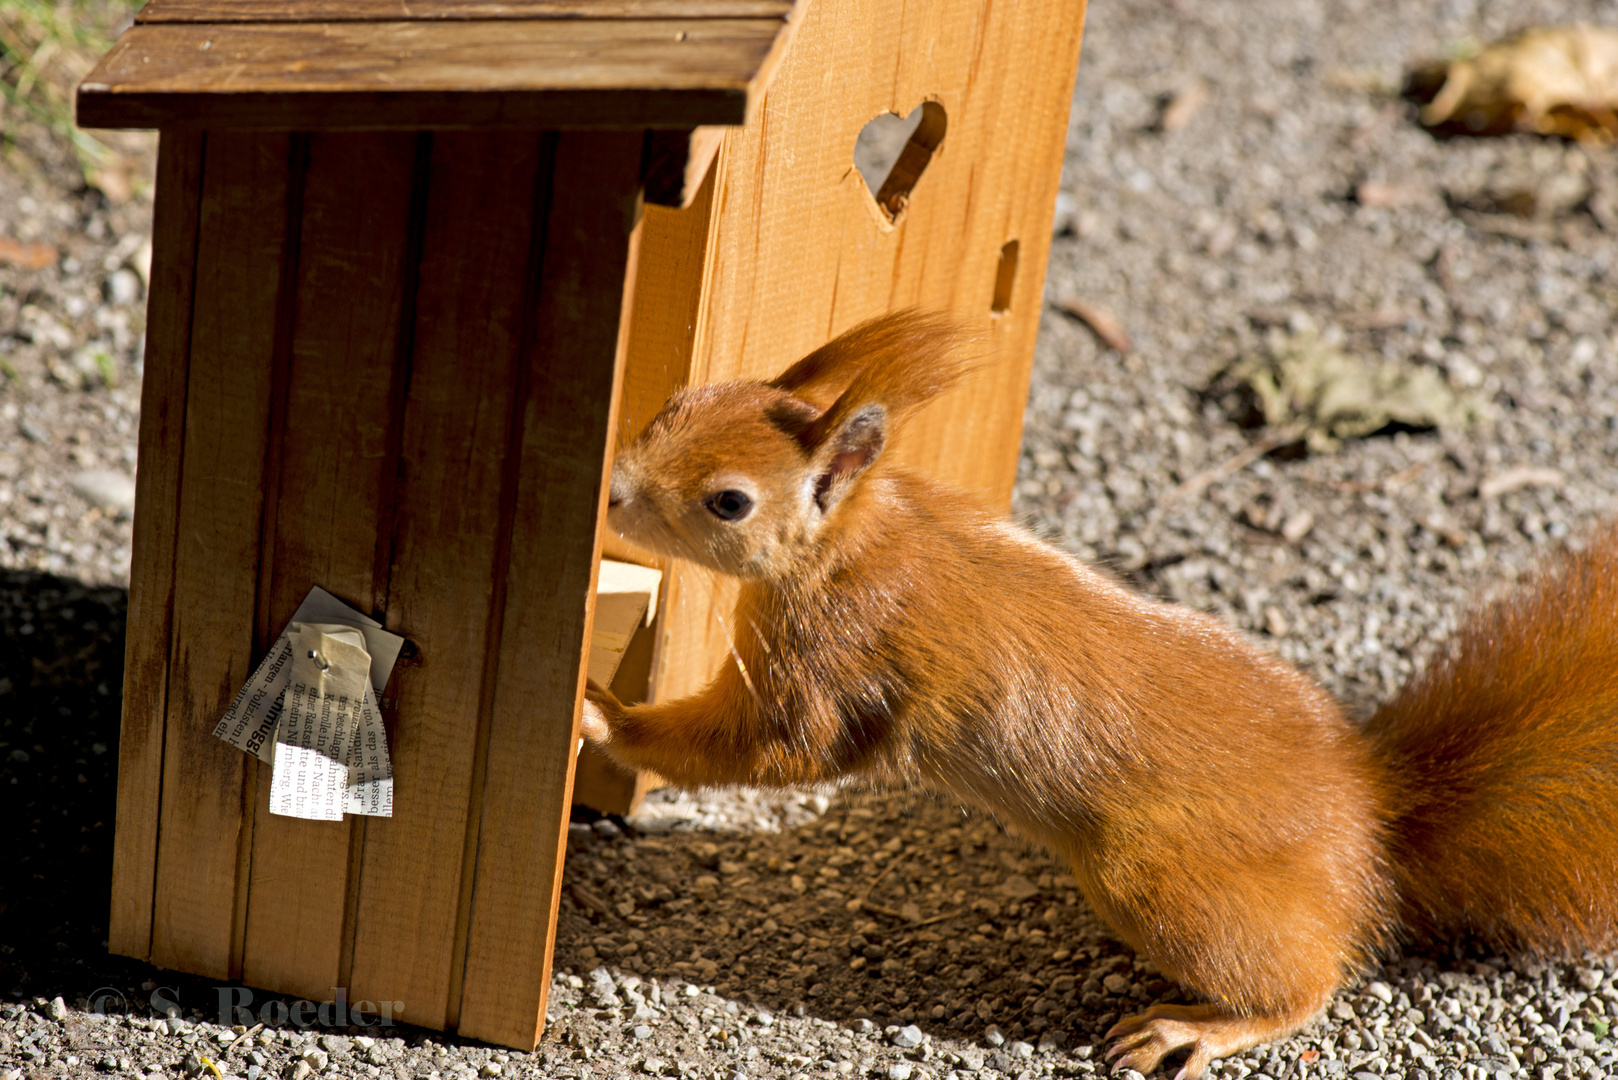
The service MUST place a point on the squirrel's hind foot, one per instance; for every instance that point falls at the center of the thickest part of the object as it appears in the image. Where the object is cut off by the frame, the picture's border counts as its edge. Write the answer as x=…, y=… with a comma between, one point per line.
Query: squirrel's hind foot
x=1208, y=1031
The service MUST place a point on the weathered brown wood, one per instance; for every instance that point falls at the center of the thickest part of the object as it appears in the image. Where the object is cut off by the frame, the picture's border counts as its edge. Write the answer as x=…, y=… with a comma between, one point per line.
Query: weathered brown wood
x=151, y=579
x=225, y=11
x=574, y=359
x=240, y=246
x=333, y=465
x=446, y=572
x=537, y=73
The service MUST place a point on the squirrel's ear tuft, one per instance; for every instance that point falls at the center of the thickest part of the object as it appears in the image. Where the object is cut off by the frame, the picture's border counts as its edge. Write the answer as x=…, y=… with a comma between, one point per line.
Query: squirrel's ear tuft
x=897, y=361
x=914, y=354
x=847, y=452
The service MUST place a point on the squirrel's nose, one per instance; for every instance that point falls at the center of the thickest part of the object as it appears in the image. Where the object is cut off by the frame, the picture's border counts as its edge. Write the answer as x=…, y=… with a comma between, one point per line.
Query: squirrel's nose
x=617, y=490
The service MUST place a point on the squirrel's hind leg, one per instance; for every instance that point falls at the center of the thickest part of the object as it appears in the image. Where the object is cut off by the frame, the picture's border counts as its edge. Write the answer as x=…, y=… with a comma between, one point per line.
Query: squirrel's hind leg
x=1209, y=1031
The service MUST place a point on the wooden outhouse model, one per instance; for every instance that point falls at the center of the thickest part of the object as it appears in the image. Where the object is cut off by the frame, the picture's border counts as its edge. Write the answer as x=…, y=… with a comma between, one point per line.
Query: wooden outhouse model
x=418, y=264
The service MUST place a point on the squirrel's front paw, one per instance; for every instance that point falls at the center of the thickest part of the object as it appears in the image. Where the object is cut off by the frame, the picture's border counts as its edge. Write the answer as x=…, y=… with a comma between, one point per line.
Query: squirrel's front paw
x=595, y=721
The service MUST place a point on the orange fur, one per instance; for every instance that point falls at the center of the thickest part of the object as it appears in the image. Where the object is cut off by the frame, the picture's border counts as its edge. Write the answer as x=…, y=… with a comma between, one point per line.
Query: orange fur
x=1507, y=746
x=1218, y=810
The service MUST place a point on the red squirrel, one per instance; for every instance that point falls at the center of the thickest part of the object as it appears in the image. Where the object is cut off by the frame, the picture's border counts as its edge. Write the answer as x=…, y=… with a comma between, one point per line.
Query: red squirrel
x=1220, y=811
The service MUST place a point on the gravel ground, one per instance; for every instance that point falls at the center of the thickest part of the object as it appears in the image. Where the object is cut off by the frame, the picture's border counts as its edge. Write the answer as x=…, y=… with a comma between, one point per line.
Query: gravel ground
x=889, y=934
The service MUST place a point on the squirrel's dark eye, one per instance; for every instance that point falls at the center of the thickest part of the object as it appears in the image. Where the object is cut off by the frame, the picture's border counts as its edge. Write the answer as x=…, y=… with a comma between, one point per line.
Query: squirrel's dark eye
x=729, y=505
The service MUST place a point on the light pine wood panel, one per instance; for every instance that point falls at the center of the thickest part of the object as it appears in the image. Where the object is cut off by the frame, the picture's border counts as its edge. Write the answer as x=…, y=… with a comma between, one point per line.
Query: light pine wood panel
x=662, y=327
x=151, y=579
x=333, y=466
x=567, y=432
x=447, y=570
x=802, y=252
x=799, y=250
x=615, y=73
x=672, y=246
x=223, y=11
x=241, y=248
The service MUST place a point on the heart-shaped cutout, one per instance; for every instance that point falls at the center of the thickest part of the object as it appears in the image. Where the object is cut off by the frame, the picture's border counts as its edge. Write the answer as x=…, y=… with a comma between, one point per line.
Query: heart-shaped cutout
x=893, y=151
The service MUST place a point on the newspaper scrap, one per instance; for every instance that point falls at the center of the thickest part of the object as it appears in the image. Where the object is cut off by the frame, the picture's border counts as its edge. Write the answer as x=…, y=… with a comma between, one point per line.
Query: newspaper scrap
x=309, y=711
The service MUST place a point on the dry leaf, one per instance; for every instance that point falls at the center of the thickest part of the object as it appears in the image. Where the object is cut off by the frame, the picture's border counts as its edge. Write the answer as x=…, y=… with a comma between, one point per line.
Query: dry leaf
x=25, y=255
x=1305, y=382
x=1104, y=324
x=1549, y=80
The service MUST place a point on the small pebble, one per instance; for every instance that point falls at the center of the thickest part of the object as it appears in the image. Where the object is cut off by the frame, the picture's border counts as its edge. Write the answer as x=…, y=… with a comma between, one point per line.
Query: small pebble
x=105, y=488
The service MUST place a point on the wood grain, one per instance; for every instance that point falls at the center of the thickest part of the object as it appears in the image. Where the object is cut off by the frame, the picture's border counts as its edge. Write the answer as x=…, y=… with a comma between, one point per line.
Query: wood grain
x=618, y=73
x=574, y=359
x=672, y=270
x=227, y=11
x=599, y=782
x=799, y=250
x=240, y=248
x=446, y=572
x=332, y=454
x=151, y=578
x=671, y=248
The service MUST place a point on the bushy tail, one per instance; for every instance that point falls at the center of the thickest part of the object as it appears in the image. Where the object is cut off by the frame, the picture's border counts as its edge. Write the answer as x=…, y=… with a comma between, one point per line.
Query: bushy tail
x=1504, y=758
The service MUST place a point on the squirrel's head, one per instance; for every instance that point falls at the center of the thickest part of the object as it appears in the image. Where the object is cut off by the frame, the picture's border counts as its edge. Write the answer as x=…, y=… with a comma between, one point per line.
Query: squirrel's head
x=745, y=477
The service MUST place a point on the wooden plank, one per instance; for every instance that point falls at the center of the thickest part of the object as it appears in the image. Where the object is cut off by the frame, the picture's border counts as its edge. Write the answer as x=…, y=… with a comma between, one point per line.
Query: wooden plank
x=446, y=568
x=227, y=11
x=618, y=73
x=151, y=578
x=622, y=641
x=599, y=782
x=574, y=360
x=803, y=253
x=672, y=256
x=800, y=250
x=333, y=466
x=240, y=248
x=672, y=247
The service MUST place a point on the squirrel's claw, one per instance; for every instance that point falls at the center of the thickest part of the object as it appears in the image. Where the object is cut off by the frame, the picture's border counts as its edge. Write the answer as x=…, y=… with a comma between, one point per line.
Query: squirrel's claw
x=1208, y=1031
x=1145, y=1043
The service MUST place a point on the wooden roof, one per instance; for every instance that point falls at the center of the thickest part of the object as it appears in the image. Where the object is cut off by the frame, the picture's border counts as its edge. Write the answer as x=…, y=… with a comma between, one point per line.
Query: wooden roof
x=309, y=65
